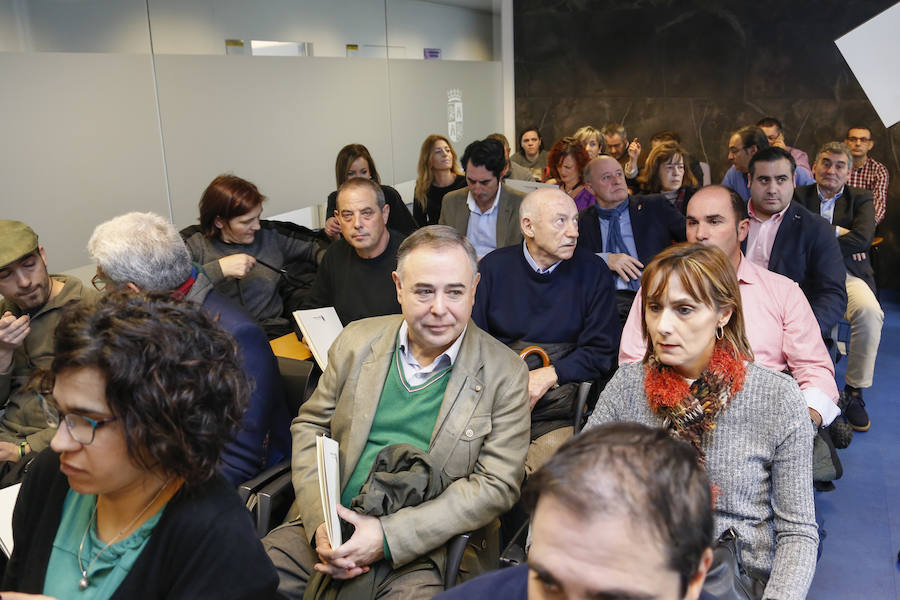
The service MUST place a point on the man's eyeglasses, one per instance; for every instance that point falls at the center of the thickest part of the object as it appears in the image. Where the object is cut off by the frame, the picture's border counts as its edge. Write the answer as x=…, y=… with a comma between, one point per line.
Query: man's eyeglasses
x=854, y=140
x=99, y=283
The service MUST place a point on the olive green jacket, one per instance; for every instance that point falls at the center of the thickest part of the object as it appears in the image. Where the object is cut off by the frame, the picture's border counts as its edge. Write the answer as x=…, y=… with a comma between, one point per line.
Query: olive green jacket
x=26, y=416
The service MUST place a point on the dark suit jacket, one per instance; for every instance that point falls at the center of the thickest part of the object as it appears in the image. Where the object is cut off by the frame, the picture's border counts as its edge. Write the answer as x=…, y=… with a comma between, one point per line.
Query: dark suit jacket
x=455, y=213
x=654, y=222
x=806, y=251
x=855, y=211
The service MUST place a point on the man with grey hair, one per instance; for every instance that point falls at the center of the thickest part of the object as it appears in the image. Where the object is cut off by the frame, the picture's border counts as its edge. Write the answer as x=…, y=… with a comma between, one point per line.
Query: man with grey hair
x=429, y=382
x=625, y=231
x=31, y=304
x=363, y=259
x=851, y=212
x=144, y=252
x=551, y=292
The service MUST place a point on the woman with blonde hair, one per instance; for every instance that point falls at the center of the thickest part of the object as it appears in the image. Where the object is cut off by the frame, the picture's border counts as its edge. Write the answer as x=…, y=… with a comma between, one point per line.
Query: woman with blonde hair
x=592, y=139
x=666, y=173
x=749, y=425
x=437, y=173
x=354, y=160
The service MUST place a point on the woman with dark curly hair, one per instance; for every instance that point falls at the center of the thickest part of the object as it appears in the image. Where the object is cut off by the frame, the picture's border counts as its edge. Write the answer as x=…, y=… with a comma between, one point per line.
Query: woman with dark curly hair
x=566, y=163
x=127, y=502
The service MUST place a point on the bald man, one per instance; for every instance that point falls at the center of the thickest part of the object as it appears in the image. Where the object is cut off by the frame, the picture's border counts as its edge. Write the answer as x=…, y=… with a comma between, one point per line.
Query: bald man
x=625, y=231
x=550, y=292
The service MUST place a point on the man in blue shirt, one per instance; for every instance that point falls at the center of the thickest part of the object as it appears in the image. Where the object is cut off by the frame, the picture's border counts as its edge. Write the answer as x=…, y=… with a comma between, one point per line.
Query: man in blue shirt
x=744, y=143
x=621, y=511
x=486, y=211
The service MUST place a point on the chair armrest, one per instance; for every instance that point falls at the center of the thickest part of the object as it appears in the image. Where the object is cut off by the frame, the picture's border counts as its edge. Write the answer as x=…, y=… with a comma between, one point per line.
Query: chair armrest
x=455, y=549
x=584, y=390
x=278, y=494
x=250, y=487
x=300, y=378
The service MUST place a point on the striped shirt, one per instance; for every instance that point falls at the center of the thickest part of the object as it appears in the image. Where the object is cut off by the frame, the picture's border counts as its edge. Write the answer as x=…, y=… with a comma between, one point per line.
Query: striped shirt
x=872, y=176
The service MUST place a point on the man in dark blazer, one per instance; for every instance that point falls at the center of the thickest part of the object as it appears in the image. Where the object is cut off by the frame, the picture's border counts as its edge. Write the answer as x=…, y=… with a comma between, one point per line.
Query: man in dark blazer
x=642, y=226
x=788, y=239
x=486, y=211
x=851, y=213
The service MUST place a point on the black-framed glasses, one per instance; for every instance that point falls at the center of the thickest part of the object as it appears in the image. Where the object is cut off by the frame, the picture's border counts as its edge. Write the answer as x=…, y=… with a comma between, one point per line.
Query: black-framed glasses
x=82, y=428
x=99, y=283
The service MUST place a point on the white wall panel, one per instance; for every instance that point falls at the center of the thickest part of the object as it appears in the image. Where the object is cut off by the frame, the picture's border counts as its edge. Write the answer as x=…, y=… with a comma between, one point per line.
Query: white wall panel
x=81, y=145
x=277, y=121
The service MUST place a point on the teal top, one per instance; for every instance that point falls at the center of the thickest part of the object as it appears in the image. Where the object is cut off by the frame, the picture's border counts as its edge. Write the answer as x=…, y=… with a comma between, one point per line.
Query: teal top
x=108, y=570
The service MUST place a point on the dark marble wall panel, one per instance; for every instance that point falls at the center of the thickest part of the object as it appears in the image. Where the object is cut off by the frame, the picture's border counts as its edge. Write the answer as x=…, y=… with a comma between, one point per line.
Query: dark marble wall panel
x=704, y=68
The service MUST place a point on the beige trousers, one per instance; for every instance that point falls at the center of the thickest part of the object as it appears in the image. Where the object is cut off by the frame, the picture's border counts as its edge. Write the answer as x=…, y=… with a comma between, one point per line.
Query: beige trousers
x=866, y=318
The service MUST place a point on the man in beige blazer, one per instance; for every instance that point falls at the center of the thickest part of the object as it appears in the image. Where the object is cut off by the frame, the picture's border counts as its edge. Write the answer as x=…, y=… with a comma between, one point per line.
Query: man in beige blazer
x=486, y=211
x=478, y=439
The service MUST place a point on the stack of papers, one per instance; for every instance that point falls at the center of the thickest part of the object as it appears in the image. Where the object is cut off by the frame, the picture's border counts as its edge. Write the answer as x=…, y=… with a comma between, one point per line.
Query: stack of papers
x=320, y=327
x=8, y=497
x=327, y=451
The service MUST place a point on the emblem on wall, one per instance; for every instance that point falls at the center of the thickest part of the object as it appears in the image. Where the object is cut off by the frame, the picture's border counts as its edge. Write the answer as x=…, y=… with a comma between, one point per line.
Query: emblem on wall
x=454, y=115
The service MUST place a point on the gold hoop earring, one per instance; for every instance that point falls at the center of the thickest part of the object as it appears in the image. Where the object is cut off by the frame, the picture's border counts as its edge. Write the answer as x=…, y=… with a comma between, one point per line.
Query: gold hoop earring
x=720, y=332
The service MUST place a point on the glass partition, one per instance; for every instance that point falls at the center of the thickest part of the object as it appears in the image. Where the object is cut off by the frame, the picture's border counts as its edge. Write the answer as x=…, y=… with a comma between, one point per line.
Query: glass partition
x=118, y=105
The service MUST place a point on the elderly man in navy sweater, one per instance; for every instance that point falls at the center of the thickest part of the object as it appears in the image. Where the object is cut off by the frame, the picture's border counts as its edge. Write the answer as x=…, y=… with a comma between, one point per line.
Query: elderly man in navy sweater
x=549, y=291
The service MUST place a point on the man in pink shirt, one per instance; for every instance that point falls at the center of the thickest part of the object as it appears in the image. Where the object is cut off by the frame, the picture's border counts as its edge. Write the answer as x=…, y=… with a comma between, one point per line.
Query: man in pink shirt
x=781, y=327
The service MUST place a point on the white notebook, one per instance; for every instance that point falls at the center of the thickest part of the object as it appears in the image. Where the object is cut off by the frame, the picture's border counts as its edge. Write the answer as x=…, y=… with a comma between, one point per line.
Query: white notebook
x=327, y=451
x=8, y=497
x=320, y=327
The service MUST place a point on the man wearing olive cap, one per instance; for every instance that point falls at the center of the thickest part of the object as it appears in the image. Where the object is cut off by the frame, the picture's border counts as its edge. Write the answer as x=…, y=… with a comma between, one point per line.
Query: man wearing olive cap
x=29, y=312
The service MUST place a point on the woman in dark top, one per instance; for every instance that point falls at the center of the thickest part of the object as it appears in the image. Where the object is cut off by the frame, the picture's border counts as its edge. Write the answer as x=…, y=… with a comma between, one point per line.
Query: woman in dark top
x=437, y=173
x=664, y=173
x=127, y=501
x=354, y=160
x=241, y=254
x=531, y=152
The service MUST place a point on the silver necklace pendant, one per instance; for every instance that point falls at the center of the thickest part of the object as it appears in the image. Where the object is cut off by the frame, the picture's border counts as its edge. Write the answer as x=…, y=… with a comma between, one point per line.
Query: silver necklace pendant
x=84, y=582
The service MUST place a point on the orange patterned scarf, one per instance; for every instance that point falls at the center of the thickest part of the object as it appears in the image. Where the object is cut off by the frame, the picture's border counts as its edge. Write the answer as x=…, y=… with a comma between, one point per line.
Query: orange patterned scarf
x=690, y=411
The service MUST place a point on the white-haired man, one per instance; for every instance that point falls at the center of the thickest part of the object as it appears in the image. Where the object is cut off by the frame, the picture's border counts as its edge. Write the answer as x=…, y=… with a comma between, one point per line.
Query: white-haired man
x=143, y=251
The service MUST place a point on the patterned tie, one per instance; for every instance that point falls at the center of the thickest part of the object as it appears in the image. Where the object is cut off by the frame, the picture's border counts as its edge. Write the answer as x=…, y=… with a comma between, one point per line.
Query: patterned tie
x=615, y=243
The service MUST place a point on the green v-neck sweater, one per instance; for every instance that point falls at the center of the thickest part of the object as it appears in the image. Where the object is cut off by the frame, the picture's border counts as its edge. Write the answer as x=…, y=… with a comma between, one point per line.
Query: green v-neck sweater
x=405, y=415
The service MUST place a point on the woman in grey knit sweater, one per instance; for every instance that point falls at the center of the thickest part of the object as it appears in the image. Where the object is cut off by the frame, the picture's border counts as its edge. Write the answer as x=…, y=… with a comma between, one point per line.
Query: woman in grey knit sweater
x=231, y=240
x=749, y=425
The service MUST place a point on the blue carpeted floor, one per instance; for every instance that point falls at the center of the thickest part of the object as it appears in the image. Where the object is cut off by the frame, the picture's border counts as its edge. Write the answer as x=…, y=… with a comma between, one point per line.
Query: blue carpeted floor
x=862, y=516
